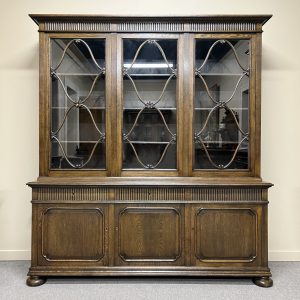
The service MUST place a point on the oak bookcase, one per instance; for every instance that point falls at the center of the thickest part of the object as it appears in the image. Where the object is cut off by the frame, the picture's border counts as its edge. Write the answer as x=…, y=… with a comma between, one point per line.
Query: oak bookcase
x=149, y=148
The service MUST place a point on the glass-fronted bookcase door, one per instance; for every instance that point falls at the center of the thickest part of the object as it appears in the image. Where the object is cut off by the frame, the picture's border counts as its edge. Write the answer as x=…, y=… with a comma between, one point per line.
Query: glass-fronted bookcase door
x=125, y=106
x=78, y=103
x=222, y=104
x=149, y=104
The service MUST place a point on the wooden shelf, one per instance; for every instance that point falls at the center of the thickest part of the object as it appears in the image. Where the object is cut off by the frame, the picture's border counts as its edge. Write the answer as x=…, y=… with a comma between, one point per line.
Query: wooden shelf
x=147, y=142
x=57, y=107
x=210, y=108
x=77, y=74
x=222, y=74
x=140, y=108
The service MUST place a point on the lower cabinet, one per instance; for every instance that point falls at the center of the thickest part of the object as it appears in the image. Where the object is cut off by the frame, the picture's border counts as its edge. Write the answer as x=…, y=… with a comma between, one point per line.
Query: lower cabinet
x=198, y=235
x=215, y=231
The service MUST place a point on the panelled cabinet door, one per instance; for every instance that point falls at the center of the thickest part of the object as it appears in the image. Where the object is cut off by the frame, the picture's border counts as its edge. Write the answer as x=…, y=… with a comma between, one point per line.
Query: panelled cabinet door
x=226, y=235
x=73, y=235
x=149, y=234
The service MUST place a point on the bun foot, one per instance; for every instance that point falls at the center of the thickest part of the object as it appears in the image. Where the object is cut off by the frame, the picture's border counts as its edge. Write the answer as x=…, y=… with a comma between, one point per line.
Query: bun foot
x=35, y=280
x=263, y=281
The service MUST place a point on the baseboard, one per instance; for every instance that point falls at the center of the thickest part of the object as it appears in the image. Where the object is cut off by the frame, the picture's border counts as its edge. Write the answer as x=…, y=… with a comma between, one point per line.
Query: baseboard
x=273, y=255
x=15, y=254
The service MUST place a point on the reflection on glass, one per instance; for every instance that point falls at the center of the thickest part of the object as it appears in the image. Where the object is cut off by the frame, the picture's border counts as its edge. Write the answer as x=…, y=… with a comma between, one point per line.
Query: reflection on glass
x=149, y=104
x=78, y=104
x=221, y=104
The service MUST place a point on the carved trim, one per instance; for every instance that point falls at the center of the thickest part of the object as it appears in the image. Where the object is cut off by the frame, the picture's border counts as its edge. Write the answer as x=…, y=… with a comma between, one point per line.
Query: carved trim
x=249, y=259
x=78, y=26
x=77, y=194
x=46, y=211
x=148, y=210
x=226, y=194
x=150, y=26
x=222, y=27
x=144, y=193
x=73, y=194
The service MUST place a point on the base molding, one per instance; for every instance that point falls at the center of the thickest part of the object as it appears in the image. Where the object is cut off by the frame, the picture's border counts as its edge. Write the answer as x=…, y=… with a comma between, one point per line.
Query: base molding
x=158, y=271
x=273, y=255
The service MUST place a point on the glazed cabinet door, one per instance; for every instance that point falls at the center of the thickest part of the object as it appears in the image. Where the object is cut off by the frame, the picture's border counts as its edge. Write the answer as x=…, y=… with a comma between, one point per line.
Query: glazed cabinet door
x=149, y=104
x=78, y=116
x=149, y=234
x=228, y=235
x=224, y=105
x=71, y=235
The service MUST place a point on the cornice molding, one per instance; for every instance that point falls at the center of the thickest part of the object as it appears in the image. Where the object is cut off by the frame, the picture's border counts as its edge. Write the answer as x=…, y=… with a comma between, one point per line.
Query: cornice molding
x=106, y=23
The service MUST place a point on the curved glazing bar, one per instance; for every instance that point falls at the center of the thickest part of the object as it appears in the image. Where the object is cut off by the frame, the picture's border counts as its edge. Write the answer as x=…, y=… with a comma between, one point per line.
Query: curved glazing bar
x=77, y=100
x=77, y=41
x=218, y=104
x=149, y=104
x=211, y=49
x=139, y=50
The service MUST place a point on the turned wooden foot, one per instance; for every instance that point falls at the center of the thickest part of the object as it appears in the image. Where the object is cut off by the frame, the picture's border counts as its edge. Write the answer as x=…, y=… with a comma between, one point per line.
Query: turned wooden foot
x=263, y=281
x=35, y=280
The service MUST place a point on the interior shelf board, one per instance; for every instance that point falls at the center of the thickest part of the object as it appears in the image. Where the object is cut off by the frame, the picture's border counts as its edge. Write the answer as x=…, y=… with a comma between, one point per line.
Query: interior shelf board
x=210, y=108
x=148, y=142
x=140, y=108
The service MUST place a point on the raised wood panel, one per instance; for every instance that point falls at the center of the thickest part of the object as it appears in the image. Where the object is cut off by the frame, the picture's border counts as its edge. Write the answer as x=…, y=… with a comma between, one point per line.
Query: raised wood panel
x=226, y=235
x=73, y=234
x=149, y=234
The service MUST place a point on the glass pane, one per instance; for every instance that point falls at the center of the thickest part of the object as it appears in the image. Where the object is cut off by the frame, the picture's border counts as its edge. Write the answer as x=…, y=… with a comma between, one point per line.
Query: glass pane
x=221, y=104
x=149, y=104
x=78, y=103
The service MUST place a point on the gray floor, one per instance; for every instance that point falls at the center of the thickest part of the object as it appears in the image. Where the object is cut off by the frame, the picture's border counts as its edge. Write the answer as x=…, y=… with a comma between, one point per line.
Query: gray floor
x=286, y=276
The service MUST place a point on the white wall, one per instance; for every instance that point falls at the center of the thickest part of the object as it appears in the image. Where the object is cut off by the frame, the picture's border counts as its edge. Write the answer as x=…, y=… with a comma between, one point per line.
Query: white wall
x=19, y=108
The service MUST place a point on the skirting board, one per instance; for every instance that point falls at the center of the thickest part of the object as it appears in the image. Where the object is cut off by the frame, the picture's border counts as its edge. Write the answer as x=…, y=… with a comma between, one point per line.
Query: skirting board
x=273, y=255
x=15, y=254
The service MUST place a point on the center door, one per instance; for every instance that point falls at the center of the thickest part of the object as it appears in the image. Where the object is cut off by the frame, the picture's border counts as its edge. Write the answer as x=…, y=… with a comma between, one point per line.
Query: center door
x=148, y=110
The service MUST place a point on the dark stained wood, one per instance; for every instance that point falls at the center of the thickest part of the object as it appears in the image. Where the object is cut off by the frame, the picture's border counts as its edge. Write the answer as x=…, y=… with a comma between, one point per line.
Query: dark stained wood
x=192, y=23
x=35, y=281
x=44, y=105
x=226, y=234
x=189, y=88
x=151, y=181
x=147, y=235
x=180, y=107
x=263, y=281
x=67, y=234
x=180, y=222
x=257, y=68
